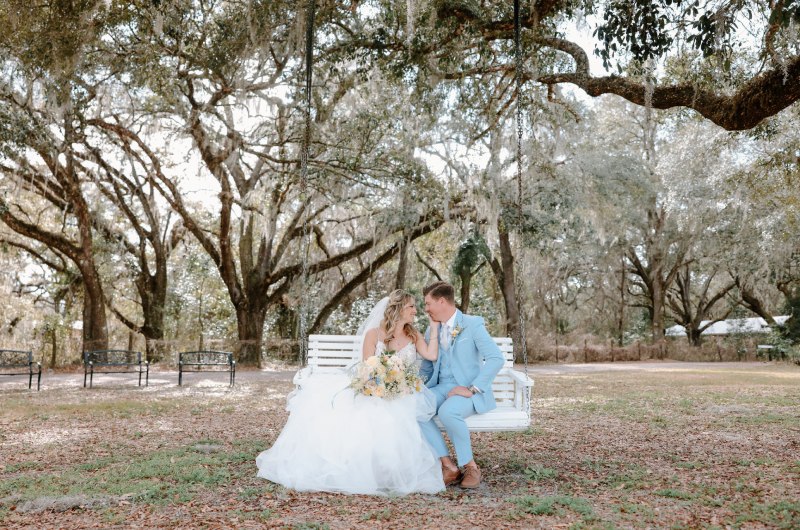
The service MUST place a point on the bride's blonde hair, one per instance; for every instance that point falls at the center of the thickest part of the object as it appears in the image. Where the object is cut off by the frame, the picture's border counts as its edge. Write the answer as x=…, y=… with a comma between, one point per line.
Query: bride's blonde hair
x=397, y=301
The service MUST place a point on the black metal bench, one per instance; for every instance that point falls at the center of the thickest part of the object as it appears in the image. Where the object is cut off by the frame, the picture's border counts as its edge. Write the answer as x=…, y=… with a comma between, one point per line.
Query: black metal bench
x=13, y=362
x=115, y=362
x=197, y=361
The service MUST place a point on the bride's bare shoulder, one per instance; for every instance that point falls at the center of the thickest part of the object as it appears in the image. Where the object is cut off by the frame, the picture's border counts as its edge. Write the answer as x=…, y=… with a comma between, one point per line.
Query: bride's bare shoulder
x=373, y=334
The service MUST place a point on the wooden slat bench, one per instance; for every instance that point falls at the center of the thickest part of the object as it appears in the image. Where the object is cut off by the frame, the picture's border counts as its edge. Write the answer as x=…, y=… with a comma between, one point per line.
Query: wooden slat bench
x=19, y=362
x=115, y=362
x=511, y=388
x=206, y=361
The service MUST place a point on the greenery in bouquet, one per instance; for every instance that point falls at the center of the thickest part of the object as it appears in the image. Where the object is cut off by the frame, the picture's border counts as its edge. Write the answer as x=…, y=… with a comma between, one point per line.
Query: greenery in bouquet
x=386, y=376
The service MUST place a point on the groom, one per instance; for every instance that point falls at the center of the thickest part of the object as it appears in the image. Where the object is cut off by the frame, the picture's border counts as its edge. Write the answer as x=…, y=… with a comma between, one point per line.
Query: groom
x=460, y=378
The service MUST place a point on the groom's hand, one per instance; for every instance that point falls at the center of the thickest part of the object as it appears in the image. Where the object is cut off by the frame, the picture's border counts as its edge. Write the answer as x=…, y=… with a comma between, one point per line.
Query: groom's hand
x=460, y=391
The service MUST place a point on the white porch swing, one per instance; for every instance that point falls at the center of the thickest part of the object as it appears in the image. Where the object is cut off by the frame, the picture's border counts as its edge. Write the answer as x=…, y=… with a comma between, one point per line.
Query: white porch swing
x=331, y=353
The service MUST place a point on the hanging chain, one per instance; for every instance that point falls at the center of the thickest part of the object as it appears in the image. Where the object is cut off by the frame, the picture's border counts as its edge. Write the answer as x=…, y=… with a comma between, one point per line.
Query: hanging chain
x=518, y=78
x=518, y=286
x=304, y=198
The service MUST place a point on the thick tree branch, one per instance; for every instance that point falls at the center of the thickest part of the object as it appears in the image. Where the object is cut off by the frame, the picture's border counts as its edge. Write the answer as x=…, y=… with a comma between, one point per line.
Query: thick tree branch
x=761, y=97
x=59, y=267
x=38, y=233
x=756, y=100
x=128, y=323
x=352, y=285
x=333, y=261
x=427, y=265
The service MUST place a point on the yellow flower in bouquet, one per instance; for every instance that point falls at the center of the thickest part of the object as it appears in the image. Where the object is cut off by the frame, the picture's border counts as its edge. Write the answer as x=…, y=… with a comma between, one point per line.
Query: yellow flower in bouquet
x=393, y=375
x=386, y=376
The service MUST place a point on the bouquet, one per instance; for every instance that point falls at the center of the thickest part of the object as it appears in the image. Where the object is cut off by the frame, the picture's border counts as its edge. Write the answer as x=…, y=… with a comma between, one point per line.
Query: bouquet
x=386, y=376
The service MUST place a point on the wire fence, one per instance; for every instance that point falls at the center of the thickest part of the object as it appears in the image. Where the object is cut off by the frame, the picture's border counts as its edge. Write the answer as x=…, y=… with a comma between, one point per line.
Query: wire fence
x=69, y=350
x=66, y=349
x=593, y=351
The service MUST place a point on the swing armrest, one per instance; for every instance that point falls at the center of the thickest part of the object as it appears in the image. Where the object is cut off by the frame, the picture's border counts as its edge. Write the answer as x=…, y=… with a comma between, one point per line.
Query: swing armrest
x=518, y=377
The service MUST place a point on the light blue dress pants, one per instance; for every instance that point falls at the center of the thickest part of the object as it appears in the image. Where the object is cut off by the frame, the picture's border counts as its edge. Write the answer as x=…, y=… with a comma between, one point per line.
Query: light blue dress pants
x=452, y=413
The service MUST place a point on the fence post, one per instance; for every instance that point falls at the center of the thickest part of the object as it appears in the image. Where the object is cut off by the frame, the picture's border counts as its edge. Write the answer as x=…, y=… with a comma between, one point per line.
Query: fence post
x=556, y=347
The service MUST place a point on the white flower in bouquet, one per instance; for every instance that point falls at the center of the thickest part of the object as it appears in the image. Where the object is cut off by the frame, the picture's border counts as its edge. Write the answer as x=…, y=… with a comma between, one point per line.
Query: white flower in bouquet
x=386, y=376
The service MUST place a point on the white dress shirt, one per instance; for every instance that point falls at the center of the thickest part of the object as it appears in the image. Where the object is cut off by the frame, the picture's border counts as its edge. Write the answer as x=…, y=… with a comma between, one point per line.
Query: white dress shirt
x=447, y=329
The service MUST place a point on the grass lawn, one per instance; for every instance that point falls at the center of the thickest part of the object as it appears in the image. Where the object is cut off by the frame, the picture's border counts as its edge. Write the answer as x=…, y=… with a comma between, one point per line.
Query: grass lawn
x=674, y=446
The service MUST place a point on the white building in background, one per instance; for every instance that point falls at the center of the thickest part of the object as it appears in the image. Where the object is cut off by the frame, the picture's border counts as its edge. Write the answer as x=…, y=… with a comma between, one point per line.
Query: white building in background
x=731, y=326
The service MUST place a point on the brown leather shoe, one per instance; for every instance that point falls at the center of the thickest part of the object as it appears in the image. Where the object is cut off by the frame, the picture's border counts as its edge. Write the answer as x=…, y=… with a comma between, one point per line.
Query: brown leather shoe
x=450, y=476
x=472, y=477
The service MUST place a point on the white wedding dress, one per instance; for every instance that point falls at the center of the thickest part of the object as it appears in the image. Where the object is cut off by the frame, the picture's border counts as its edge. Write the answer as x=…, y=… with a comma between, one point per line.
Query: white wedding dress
x=336, y=440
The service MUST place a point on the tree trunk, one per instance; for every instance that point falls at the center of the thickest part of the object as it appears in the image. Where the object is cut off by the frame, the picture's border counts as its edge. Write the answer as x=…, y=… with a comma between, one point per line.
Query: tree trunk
x=690, y=308
x=53, y=344
x=95, y=328
x=287, y=321
x=153, y=332
x=154, y=299
x=657, y=324
x=152, y=291
x=621, y=319
x=250, y=325
x=504, y=272
x=695, y=336
x=402, y=263
x=466, y=284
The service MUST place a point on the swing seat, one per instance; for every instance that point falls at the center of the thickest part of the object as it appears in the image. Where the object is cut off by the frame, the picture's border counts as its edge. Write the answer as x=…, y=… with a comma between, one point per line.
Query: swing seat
x=512, y=388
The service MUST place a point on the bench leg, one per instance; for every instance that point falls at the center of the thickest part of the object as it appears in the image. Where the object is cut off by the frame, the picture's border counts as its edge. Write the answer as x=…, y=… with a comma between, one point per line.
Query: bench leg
x=85, y=371
x=180, y=375
x=91, y=377
x=30, y=380
x=140, y=375
x=147, y=376
x=39, y=381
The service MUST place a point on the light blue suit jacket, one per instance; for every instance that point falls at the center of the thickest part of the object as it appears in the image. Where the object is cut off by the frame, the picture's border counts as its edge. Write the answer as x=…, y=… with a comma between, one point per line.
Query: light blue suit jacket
x=475, y=359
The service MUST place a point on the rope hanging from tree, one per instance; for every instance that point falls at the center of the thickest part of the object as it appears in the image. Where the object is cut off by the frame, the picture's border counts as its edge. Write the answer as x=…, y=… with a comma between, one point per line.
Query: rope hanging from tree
x=518, y=78
x=304, y=198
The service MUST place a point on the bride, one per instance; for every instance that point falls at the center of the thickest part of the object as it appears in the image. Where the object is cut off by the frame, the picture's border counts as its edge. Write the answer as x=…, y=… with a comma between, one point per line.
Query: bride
x=340, y=441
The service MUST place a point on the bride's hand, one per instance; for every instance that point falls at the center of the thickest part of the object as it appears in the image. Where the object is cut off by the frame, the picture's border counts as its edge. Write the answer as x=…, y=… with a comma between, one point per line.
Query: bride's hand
x=429, y=350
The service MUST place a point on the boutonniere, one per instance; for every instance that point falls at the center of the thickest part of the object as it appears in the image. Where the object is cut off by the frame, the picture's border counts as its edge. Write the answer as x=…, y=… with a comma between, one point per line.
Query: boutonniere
x=456, y=330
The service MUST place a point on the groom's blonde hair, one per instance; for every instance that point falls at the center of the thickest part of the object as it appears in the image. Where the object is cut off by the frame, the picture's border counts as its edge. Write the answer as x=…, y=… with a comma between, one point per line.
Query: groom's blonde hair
x=441, y=289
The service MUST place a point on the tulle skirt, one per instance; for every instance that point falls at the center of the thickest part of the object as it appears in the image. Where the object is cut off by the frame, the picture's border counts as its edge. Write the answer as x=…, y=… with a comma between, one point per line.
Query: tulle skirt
x=337, y=441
